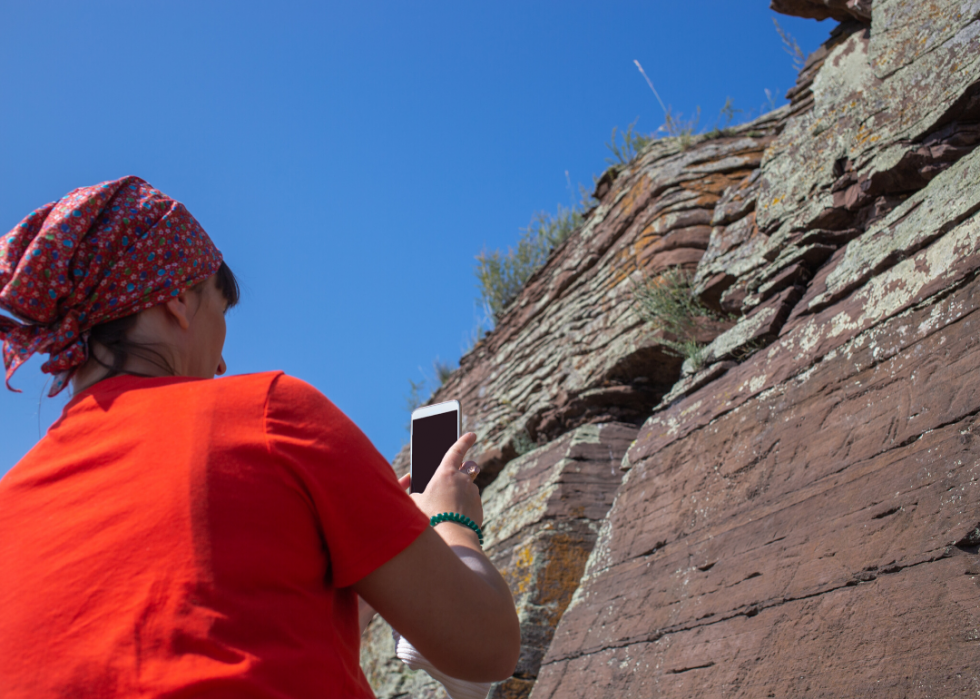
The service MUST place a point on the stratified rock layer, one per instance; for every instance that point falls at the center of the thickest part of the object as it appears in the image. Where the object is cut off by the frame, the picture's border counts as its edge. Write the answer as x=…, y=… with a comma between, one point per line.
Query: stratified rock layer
x=814, y=540
x=571, y=350
x=801, y=524
x=799, y=514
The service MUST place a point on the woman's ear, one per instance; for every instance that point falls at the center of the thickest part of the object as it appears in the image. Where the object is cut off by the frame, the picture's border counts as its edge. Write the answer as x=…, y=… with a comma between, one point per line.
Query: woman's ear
x=178, y=308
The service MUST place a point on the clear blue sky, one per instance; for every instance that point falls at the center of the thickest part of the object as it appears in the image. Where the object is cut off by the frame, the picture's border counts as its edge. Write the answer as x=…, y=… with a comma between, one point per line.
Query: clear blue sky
x=351, y=159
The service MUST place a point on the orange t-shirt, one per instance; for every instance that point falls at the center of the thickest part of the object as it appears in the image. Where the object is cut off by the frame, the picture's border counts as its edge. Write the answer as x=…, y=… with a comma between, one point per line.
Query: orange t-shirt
x=179, y=537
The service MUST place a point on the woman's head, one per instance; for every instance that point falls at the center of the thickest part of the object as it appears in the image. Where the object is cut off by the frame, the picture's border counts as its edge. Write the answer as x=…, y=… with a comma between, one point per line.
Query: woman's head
x=98, y=255
x=183, y=336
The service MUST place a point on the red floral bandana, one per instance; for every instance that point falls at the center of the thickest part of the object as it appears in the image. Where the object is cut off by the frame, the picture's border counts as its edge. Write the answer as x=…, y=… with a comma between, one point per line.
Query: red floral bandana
x=98, y=254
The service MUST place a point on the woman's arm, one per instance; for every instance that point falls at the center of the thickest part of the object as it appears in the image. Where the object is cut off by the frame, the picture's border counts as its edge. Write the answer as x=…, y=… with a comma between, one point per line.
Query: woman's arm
x=365, y=614
x=462, y=620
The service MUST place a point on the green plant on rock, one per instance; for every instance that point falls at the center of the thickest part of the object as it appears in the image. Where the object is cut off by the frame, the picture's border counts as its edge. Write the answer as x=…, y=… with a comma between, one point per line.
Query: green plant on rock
x=682, y=129
x=413, y=400
x=587, y=198
x=632, y=142
x=692, y=351
x=501, y=276
x=417, y=393
x=473, y=338
x=685, y=131
x=724, y=122
x=675, y=126
x=668, y=302
x=443, y=370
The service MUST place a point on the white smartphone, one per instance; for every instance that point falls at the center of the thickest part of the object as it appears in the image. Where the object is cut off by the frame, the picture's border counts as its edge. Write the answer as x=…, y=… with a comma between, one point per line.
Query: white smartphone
x=435, y=428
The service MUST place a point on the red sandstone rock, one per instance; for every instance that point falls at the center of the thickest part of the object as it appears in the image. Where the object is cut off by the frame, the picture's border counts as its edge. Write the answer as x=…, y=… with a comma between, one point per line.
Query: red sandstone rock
x=834, y=538
x=571, y=350
x=841, y=10
x=799, y=515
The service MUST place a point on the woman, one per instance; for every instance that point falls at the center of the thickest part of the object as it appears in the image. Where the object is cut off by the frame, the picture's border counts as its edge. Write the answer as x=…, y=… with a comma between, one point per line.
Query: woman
x=175, y=535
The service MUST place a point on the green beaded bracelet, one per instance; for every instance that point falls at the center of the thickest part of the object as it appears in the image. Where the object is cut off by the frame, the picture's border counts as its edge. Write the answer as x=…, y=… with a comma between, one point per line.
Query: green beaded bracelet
x=458, y=519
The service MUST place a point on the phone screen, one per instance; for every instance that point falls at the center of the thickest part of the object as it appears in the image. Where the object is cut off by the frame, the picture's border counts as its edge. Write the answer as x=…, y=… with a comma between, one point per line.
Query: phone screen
x=431, y=438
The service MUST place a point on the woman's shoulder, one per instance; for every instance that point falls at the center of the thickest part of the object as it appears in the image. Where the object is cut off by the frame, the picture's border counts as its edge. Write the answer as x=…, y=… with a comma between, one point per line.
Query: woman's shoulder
x=263, y=380
x=175, y=388
x=275, y=386
x=277, y=389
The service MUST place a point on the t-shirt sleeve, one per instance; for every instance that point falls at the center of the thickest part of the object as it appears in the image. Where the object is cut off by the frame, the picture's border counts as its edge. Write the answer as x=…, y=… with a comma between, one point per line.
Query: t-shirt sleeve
x=366, y=518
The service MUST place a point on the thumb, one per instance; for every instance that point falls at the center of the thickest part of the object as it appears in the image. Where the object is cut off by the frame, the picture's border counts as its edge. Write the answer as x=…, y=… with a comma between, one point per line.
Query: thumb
x=457, y=452
x=405, y=481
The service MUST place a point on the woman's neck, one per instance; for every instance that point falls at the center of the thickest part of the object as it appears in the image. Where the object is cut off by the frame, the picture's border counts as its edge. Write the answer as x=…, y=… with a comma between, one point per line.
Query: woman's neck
x=98, y=367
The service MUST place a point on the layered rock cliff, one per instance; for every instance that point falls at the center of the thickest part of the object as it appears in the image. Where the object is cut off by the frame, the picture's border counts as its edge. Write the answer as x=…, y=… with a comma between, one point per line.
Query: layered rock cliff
x=799, y=514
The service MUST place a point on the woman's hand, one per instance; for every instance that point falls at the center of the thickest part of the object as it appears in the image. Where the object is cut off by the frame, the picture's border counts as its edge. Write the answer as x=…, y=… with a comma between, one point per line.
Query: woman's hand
x=451, y=493
x=452, y=488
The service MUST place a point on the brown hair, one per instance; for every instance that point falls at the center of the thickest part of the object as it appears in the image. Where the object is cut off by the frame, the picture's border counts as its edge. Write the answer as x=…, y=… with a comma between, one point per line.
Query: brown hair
x=113, y=334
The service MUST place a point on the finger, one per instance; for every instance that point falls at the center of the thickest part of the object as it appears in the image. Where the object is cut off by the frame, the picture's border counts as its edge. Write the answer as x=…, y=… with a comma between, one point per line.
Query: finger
x=457, y=452
x=405, y=481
